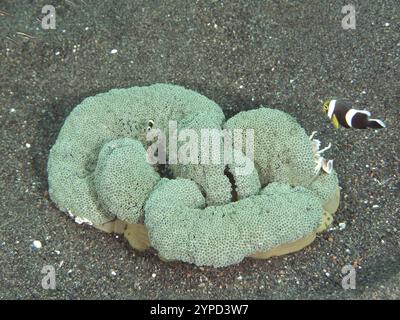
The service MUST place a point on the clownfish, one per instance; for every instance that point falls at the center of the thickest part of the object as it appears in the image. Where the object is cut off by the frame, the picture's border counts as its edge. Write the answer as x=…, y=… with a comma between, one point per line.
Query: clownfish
x=342, y=114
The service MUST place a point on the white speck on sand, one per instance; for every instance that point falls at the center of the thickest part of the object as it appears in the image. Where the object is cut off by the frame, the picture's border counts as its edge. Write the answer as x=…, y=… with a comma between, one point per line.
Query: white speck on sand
x=36, y=244
x=113, y=51
x=342, y=226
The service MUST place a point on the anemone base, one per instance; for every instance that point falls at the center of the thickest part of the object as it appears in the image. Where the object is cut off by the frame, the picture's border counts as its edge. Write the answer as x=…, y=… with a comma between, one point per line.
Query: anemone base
x=138, y=237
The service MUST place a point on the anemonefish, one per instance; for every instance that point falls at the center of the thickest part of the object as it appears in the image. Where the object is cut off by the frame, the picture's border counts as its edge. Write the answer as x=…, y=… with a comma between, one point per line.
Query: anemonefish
x=342, y=114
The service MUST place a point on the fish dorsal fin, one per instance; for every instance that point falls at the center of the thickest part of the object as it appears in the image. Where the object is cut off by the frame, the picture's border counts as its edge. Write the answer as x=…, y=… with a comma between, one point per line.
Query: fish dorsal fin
x=365, y=112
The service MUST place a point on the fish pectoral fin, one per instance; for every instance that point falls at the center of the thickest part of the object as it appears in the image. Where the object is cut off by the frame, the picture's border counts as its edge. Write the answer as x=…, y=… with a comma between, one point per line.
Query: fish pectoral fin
x=335, y=122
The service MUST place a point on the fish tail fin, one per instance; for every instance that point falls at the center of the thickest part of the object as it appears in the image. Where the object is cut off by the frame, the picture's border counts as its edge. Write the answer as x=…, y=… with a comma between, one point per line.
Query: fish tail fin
x=375, y=124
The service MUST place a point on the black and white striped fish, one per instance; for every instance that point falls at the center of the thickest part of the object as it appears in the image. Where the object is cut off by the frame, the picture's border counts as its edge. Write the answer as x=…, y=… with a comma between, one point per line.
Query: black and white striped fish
x=342, y=114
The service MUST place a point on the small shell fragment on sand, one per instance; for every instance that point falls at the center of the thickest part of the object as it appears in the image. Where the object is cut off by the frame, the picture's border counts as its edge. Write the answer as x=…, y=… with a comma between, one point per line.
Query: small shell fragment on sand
x=36, y=244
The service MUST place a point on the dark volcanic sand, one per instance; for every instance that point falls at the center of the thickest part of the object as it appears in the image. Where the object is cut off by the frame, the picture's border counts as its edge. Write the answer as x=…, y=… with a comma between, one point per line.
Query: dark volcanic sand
x=241, y=54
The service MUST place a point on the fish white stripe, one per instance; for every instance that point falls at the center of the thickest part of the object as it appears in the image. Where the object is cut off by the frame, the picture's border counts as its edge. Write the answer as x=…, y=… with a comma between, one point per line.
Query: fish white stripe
x=331, y=108
x=349, y=116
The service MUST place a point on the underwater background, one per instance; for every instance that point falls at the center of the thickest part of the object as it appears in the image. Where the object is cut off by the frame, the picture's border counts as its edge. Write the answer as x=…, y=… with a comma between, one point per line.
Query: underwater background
x=287, y=55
